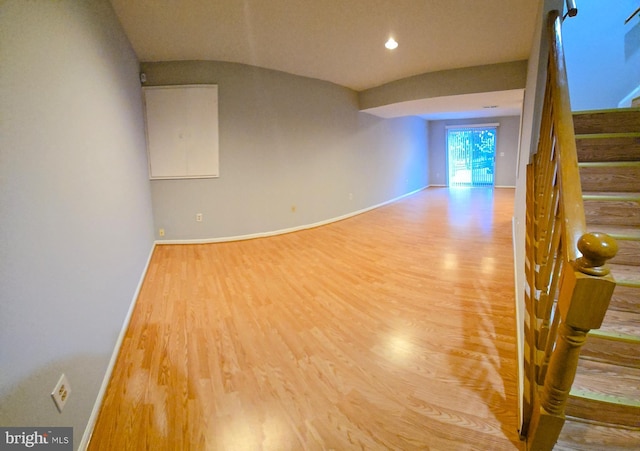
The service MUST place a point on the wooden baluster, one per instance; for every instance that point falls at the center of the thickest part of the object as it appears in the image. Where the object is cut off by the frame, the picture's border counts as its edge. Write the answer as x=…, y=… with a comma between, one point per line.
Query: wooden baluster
x=585, y=292
x=530, y=301
x=562, y=369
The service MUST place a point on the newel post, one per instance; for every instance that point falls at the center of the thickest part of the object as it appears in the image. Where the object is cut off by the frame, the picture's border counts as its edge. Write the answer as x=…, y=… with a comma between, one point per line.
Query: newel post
x=586, y=287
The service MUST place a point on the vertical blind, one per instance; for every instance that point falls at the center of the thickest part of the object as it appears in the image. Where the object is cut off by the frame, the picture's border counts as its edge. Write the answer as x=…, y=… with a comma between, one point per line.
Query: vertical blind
x=471, y=155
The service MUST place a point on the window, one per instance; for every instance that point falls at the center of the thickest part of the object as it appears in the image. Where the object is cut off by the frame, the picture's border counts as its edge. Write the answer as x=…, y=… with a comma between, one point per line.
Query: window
x=471, y=154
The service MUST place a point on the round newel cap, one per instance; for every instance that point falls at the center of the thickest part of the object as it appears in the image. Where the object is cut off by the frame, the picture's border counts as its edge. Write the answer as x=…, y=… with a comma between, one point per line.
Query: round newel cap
x=596, y=248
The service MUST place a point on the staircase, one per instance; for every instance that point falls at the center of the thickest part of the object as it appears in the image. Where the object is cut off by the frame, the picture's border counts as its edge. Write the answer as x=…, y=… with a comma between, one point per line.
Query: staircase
x=603, y=411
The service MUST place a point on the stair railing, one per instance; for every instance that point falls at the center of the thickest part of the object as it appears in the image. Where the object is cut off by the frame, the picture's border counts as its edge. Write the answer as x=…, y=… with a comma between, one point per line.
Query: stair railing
x=568, y=281
x=572, y=9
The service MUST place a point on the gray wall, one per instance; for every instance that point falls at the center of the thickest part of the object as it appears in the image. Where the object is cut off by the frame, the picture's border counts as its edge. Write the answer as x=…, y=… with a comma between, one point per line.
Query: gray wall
x=286, y=141
x=76, y=228
x=507, y=143
x=468, y=80
x=602, y=53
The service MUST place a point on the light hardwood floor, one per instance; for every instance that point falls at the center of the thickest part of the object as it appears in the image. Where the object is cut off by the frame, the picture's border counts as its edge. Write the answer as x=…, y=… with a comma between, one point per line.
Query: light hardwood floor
x=394, y=329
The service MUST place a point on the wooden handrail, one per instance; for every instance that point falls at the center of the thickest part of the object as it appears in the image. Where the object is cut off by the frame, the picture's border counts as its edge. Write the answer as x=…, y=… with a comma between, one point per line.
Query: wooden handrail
x=572, y=204
x=569, y=285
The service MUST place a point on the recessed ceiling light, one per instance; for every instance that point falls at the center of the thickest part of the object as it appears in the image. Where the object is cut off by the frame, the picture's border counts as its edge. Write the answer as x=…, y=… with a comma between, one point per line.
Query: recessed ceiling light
x=391, y=44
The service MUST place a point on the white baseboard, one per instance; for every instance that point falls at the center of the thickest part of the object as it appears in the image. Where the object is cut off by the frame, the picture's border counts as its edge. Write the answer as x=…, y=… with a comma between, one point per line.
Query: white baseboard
x=84, y=443
x=627, y=101
x=288, y=230
x=495, y=186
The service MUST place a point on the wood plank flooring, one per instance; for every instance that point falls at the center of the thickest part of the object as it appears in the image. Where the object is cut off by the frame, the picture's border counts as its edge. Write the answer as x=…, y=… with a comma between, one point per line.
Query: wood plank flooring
x=394, y=329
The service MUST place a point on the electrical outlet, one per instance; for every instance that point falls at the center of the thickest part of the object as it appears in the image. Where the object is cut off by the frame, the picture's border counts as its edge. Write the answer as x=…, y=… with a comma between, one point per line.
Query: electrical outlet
x=61, y=392
x=350, y=196
x=198, y=217
x=161, y=232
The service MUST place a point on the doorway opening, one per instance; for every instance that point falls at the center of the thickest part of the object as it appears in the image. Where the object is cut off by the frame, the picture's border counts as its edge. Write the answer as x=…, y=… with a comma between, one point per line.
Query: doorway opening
x=471, y=153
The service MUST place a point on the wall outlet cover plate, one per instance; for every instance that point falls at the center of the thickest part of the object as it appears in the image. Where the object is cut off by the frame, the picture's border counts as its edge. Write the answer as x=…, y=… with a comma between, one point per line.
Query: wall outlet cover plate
x=61, y=392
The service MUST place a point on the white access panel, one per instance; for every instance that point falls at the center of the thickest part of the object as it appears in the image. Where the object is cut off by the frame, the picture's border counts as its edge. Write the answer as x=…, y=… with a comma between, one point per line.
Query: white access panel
x=182, y=131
